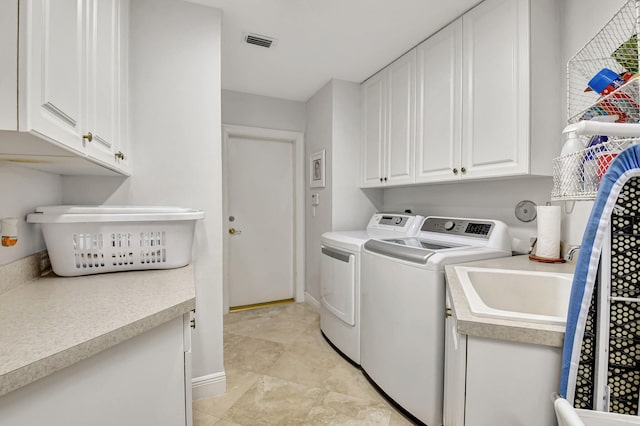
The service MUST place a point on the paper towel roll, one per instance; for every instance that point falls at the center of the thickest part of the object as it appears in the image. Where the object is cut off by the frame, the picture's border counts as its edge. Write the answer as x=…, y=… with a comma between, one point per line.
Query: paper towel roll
x=548, y=245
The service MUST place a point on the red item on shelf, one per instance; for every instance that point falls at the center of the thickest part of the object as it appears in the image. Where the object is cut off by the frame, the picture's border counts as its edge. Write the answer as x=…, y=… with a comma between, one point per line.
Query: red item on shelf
x=604, y=160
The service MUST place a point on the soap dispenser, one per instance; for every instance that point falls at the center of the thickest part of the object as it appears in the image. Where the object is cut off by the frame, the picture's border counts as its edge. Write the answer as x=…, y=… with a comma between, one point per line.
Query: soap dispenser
x=570, y=173
x=572, y=143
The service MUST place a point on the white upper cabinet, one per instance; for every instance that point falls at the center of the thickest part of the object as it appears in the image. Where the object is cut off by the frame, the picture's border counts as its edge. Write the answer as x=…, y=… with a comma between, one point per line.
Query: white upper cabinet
x=400, y=130
x=373, y=129
x=53, y=71
x=122, y=154
x=487, y=100
x=71, y=102
x=495, y=133
x=102, y=79
x=388, y=111
x=439, y=109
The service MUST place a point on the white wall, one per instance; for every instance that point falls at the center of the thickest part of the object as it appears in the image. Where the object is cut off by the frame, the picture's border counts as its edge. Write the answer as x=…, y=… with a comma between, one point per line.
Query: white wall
x=333, y=124
x=317, y=219
x=176, y=145
x=351, y=207
x=261, y=111
x=21, y=191
x=484, y=199
x=581, y=20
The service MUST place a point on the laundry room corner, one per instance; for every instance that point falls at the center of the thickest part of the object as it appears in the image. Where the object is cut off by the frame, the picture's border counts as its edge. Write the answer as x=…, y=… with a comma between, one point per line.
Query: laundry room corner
x=333, y=125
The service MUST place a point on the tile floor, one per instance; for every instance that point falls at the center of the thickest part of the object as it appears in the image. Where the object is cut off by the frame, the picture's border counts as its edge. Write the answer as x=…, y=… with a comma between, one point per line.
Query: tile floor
x=281, y=371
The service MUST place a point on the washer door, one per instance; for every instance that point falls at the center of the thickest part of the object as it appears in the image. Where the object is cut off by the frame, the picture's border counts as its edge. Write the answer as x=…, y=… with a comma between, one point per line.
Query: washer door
x=338, y=283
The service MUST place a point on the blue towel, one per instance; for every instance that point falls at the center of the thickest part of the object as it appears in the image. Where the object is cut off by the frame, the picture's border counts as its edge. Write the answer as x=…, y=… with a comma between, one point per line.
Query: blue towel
x=625, y=166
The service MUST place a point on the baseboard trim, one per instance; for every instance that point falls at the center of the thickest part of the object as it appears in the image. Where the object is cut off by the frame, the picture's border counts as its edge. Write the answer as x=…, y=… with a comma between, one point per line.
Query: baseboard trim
x=311, y=301
x=209, y=385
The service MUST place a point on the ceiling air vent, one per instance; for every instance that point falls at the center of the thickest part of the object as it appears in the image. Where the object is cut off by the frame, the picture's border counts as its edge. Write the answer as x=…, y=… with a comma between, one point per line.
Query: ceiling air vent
x=259, y=40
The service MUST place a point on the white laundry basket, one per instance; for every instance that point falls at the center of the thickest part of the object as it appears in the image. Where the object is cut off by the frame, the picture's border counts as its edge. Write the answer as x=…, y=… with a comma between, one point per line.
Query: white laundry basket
x=84, y=240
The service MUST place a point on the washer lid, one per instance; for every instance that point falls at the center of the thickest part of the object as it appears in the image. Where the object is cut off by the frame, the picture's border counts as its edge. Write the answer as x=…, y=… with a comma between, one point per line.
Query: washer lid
x=420, y=243
x=410, y=254
x=412, y=249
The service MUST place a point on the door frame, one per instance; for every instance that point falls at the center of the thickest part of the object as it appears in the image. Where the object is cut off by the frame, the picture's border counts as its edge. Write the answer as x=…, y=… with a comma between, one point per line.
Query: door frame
x=297, y=140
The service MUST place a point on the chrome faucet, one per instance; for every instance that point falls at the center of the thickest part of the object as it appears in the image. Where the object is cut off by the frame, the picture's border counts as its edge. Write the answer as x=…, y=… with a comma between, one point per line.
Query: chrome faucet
x=569, y=255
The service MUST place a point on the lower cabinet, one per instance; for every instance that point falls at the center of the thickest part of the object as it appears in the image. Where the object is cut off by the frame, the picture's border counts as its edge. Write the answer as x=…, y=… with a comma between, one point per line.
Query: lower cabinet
x=142, y=381
x=491, y=382
x=510, y=383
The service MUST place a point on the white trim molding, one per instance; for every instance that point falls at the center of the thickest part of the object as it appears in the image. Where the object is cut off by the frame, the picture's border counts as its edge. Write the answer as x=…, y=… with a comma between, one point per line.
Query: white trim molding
x=209, y=385
x=312, y=301
x=297, y=139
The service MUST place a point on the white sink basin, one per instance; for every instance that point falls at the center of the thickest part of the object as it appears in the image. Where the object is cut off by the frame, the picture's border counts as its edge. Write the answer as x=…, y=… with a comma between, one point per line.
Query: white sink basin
x=541, y=297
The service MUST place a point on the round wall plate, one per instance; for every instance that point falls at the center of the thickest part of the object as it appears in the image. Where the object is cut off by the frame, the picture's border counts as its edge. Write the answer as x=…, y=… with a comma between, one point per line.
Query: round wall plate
x=526, y=211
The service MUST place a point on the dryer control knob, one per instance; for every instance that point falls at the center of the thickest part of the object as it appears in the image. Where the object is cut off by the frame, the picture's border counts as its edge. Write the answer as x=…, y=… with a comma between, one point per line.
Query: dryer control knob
x=448, y=225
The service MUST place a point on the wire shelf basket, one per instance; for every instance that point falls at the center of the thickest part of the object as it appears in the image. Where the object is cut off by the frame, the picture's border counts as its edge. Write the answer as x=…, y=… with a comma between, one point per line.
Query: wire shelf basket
x=577, y=176
x=615, y=47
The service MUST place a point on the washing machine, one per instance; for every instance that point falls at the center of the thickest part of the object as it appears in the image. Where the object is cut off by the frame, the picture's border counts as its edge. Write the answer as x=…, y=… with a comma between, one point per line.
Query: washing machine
x=340, y=278
x=403, y=307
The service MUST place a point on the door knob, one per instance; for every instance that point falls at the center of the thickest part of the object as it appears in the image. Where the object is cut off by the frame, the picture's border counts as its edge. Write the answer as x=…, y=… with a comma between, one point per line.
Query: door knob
x=88, y=137
x=234, y=231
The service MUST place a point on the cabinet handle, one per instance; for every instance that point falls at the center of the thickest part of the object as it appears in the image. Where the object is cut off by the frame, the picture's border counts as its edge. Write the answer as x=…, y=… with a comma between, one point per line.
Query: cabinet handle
x=455, y=171
x=385, y=179
x=120, y=155
x=463, y=170
x=380, y=179
x=88, y=137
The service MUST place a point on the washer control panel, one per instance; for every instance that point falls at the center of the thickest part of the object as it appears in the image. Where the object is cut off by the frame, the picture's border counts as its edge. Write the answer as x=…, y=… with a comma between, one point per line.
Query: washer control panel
x=461, y=227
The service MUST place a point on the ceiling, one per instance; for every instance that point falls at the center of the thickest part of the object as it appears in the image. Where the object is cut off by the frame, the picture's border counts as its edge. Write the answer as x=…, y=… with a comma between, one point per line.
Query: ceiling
x=321, y=39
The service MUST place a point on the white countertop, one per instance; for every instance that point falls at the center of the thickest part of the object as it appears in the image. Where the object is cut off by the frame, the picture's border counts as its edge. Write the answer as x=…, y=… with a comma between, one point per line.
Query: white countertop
x=516, y=331
x=51, y=323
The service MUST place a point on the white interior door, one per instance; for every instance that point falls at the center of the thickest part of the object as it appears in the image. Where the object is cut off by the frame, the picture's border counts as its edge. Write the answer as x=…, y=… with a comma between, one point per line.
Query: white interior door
x=260, y=220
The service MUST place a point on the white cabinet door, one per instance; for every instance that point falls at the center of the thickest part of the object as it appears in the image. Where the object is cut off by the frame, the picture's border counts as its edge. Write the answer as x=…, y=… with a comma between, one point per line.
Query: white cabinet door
x=439, y=112
x=399, y=135
x=102, y=79
x=509, y=383
x=454, y=368
x=55, y=60
x=373, y=117
x=188, y=324
x=496, y=89
x=123, y=148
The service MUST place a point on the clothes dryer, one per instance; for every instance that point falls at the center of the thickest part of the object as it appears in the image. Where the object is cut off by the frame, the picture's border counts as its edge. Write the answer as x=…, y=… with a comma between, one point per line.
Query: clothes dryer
x=340, y=277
